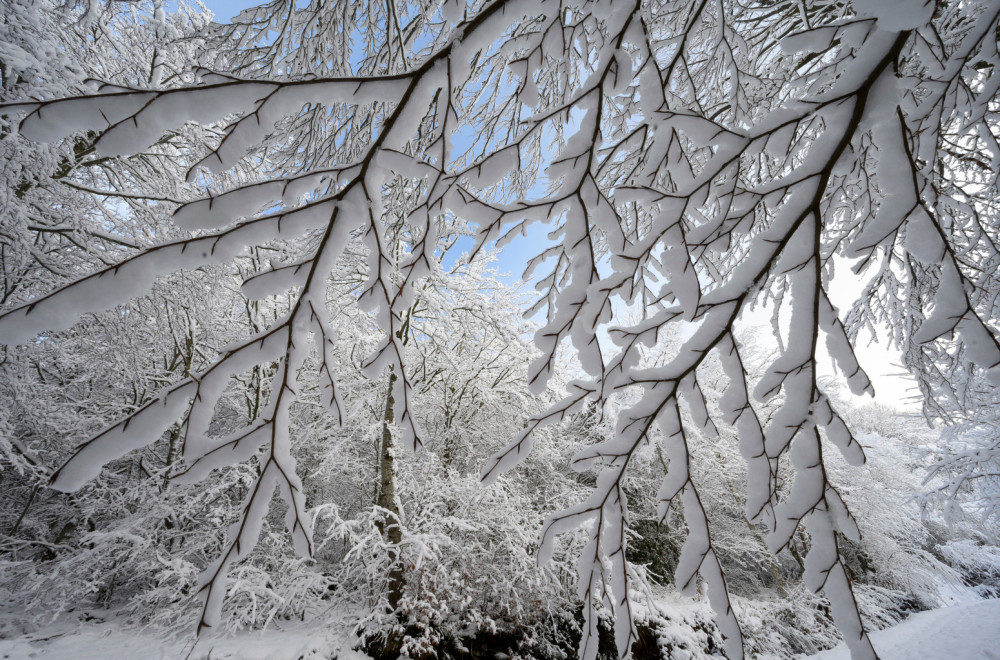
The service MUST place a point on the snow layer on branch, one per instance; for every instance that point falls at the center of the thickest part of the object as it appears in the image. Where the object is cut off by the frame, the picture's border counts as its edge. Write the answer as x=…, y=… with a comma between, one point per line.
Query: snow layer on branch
x=837, y=432
x=980, y=343
x=713, y=325
x=736, y=409
x=495, y=167
x=51, y=121
x=391, y=161
x=683, y=284
x=169, y=109
x=273, y=104
x=696, y=546
x=690, y=391
x=807, y=489
x=249, y=200
x=220, y=210
x=734, y=400
x=844, y=521
x=197, y=396
x=568, y=520
x=515, y=452
x=881, y=110
x=297, y=520
x=604, y=513
x=243, y=537
x=896, y=181
x=950, y=305
x=698, y=556
x=623, y=72
x=672, y=441
x=264, y=347
x=132, y=277
x=138, y=430
x=511, y=456
x=814, y=40
x=406, y=122
x=825, y=571
x=324, y=337
x=923, y=238
x=896, y=15
x=134, y=120
x=452, y=10
x=850, y=78
x=841, y=350
x=763, y=245
x=230, y=450
x=276, y=280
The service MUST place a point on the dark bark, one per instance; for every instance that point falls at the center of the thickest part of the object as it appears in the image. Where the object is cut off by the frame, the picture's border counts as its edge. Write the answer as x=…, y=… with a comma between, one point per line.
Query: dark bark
x=387, y=500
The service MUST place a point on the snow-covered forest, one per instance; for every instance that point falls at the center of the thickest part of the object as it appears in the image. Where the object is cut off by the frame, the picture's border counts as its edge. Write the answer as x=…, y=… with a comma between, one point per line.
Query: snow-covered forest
x=495, y=329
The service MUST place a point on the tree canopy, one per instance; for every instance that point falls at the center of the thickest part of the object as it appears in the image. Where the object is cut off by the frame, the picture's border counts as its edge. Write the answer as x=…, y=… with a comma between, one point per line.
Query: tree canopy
x=691, y=163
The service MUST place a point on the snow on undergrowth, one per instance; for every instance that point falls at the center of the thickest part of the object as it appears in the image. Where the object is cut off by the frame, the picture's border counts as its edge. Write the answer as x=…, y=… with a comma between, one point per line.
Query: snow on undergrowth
x=682, y=629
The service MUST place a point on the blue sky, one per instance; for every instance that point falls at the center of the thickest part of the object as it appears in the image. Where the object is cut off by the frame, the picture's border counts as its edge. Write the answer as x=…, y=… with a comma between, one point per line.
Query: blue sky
x=224, y=10
x=513, y=257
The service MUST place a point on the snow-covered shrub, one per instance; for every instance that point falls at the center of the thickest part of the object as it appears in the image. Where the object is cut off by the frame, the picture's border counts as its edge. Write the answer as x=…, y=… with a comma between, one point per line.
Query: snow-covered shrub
x=468, y=564
x=977, y=562
x=782, y=625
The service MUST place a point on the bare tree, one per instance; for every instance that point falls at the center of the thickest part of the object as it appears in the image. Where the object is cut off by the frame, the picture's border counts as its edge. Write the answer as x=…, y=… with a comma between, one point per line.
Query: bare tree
x=691, y=161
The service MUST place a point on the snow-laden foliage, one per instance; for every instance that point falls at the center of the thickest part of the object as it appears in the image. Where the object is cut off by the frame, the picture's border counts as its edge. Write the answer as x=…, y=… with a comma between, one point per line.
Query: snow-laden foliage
x=691, y=162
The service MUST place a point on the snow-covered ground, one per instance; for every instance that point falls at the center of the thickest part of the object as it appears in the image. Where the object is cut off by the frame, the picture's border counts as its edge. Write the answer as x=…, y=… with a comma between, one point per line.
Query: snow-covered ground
x=969, y=631
x=962, y=632
x=108, y=641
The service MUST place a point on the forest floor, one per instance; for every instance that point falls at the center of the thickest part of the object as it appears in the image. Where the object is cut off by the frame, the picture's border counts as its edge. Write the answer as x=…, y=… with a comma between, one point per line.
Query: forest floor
x=111, y=640
x=961, y=632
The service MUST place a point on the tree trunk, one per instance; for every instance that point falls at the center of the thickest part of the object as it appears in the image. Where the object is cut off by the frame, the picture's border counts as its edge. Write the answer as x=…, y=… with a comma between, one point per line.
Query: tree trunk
x=387, y=498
